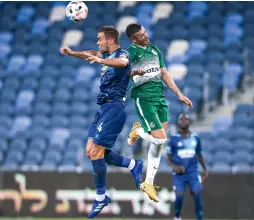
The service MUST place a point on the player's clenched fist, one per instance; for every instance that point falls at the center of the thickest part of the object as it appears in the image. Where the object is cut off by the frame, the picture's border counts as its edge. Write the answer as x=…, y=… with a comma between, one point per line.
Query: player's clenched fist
x=65, y=50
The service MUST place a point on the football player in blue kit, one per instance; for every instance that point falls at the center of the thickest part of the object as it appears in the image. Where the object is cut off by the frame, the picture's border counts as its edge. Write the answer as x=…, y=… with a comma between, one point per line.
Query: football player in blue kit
x=110, y=118
x=184, y=154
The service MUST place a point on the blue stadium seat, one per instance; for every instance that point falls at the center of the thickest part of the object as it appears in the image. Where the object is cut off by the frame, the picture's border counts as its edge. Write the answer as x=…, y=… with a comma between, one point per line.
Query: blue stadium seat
x=16, y=156
x=16, y=63
x=243, y=108
x=242, y=157
x=223, y=145
x=3, y=145
x=25, y=14
x=6, y=37
x=12, y=82
x=221, y=168
x=65, y=82
x=207, y=136
x=215, y=56
x=58, y=121
x=62, y=95
x=80, y=95
x=232, y=75
x=60, y=108
x=6, y=109
x=242, y=144
x=5, y=50
x=33, y=157
x=243, y=132
x=44, y=95
x=54, y=157
x=40, y=26
x=74, y=144
x=39, y=132
x=4, y=132
x=77, y=121
x=37, y=144
x=77, y=133
x=228, y=135
x=8, y=95
x=240, y=120
x=47, y=83
x=222, y=156
x=208, y=145
x=195, y=69
x=18, y=144
x=42, y=109
x=6, y=121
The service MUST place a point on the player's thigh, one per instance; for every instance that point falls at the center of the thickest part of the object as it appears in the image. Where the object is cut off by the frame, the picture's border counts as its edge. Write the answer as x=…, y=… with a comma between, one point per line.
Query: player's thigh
x=163, y=111
x=195, y=182
x=147, y=112
x=110, y=125
x=93, y=126
x=179, y=183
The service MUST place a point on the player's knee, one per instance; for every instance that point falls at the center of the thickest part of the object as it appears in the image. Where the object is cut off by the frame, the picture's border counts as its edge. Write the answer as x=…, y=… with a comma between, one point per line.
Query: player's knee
x=160, y=141
x=97, y=152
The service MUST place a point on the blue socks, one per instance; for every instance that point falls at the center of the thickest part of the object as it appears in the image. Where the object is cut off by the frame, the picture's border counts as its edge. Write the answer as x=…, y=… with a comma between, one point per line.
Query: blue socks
x=178, y=205
x=99, y=173
x=114, y=159
x=198, y=205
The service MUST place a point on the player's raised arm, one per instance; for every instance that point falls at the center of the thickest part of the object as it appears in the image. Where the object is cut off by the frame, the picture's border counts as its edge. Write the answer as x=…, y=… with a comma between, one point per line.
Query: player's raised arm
x=171, y=84
x=114, y=62
x=80, y=54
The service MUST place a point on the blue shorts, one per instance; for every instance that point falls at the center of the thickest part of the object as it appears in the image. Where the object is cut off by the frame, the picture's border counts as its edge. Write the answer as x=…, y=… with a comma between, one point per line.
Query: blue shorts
x=193, y=180
x=108, y=122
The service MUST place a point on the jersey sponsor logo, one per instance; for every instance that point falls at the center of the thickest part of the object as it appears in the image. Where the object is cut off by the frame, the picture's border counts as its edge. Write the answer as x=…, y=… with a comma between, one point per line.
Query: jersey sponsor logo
x=186, y=153
x=154, y=69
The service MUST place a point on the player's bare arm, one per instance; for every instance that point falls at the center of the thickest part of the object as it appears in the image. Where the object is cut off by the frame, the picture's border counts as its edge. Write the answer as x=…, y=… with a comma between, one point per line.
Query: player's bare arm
x=203, y=164
x=120, y=62
x=168, y=80
x=80, y=54
x=137, y=72
x=176, y=168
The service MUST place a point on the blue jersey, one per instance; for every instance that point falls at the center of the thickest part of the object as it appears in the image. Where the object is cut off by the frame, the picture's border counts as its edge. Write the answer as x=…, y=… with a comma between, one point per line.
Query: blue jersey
x=184, y=151
x=114, y=80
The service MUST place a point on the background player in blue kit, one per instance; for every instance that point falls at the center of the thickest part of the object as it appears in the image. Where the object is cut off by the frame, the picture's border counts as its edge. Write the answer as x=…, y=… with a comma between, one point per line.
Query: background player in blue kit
x=110, y=118
x=184, y=153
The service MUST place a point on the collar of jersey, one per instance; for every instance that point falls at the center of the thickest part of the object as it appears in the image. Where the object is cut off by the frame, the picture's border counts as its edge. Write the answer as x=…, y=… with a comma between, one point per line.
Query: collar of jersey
x=141, y=47
x=109, y=55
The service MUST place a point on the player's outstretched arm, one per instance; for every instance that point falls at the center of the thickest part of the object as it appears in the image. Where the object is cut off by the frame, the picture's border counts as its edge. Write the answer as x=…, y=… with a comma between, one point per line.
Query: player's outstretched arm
x=120, y=62
x=79, y=54
x=171, y=84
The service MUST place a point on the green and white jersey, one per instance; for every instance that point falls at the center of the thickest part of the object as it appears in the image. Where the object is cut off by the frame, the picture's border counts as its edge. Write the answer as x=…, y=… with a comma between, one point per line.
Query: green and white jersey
x=151, y=61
